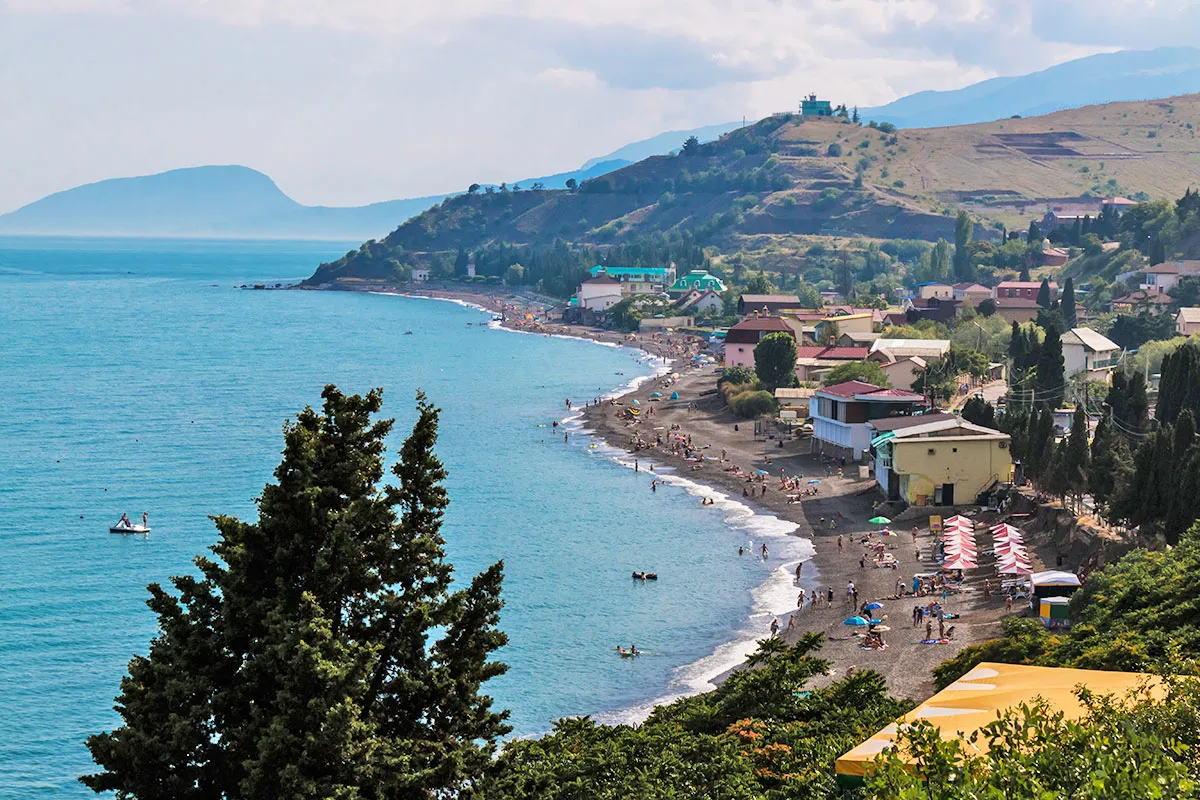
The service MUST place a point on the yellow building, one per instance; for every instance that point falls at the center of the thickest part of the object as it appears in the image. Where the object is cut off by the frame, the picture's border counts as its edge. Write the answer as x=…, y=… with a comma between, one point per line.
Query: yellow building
x=937, y=459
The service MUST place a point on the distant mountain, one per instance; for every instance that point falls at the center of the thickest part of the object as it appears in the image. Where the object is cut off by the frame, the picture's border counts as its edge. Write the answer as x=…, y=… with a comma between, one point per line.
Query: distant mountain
x=1105, y=78
x=239, y=202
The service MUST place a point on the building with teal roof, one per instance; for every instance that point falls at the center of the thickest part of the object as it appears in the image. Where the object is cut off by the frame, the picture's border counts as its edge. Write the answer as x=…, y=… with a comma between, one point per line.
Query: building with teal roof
x=638, y=280
x=698, y=279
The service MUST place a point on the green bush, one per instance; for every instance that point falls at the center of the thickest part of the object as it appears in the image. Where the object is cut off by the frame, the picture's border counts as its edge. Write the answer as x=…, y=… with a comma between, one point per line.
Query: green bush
x=834, y=150
x=748, y=405
x=738, y=376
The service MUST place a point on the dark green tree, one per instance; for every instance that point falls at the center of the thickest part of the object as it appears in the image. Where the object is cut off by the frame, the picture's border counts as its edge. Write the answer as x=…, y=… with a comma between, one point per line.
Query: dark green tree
x=1050, y=383
x=980, y=412
x=1076, y=457
x=1109, y=454
x=775, y=360
x=461, y=260
x=1034, y=237
x=691, y=147
x=1067, y=306
x=1158, y=251
x=322, y=653
x=964, y=268
x=868, y=371
x=1043, y=295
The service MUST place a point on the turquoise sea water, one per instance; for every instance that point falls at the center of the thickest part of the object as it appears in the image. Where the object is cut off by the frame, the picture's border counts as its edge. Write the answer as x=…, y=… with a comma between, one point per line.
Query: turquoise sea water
x=135, y=377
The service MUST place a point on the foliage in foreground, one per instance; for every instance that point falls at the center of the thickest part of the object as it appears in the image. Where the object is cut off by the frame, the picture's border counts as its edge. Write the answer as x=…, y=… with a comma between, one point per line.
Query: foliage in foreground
x=322, y=654
x=758, y=735
x=1137, y=746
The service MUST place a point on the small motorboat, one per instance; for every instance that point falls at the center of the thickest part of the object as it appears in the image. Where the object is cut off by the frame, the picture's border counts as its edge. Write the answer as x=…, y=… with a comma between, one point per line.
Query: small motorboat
x=124, y=525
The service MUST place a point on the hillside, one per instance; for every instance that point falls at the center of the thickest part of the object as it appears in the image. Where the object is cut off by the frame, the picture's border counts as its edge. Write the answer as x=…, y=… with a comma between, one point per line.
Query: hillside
x=769, y=187
x=1104, y=78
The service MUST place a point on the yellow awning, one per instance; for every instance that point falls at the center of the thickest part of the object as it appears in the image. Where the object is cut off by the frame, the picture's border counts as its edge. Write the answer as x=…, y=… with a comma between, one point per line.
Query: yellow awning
x=978, y=698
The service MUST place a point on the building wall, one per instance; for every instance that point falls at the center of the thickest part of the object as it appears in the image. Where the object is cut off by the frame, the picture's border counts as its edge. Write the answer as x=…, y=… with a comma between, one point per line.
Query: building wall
x=901, y=374
x=1019, y=315
x=831, y=436
x=971, y=465
x=1186, y=328
x=739, y=355
x=598, y=297
x=1077, y=358
x=935, y=290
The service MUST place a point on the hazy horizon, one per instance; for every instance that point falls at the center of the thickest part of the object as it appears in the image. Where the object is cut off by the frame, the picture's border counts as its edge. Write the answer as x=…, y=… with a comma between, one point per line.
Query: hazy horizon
x=364, y=101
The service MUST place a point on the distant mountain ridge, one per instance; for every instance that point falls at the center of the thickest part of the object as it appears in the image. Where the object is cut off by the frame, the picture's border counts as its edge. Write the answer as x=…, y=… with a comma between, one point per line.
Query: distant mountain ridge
x=1105, y=78
x=239, y=202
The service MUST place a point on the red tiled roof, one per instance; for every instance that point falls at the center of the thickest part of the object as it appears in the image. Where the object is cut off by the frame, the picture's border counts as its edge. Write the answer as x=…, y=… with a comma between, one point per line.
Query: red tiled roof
x=846, y=353
x=849, y=389
x=754, y=299
x=1144, y=296
x=810, y=351
x=771, y=324
x=894, y=394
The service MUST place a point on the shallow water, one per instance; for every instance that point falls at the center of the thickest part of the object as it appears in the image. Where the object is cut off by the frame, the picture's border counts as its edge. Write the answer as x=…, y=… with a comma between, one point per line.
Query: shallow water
x=137, y=378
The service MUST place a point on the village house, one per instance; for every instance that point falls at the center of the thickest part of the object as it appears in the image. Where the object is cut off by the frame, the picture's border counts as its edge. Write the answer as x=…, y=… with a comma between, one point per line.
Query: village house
x=1142, y=300
x=768, y=303
x=1164, y=277
x=841, y=413
x=938, y=309
x=1017, y=309
x=1187, y=321
x=599, y=293
x=1085, y=351
x=638, y=280
x=971, y=294
x=886, y=350
x=942, y=291
x=420, y=274
x=701, y=303
x=812, y=362
x=937, y=459
x=902, y=372
x=857, y=338
x=742, y=338
x=1022, y=289
x=1054, y=256
x=696, y=280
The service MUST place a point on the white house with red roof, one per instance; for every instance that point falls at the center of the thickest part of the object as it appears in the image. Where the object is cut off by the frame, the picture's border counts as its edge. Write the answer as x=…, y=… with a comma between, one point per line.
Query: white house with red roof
x=599, y=293
x=840, y=415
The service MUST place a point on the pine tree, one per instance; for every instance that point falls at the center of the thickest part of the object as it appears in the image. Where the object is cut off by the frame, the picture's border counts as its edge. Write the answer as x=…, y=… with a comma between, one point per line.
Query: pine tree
x=1067, y=307
x=1043, y=295
x=322, y=654
x=1158, y=251
x=1034, y=236
x=1051, y=373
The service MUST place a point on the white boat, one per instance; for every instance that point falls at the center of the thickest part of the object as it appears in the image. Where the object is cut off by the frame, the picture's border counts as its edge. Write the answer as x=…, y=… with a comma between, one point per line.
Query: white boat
x=129, y=529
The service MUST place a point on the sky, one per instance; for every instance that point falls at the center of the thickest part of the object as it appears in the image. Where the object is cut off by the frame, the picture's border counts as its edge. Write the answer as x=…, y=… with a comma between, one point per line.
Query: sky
x=346, y=102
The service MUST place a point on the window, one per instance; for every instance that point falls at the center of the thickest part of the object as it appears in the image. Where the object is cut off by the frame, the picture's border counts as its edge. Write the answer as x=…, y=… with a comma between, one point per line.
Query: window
x=954, y=449
x=932, y=451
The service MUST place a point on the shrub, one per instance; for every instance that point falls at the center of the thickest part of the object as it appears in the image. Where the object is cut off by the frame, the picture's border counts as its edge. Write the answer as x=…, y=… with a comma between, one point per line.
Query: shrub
x=748, y=405
x=898, y=184
x=834, y=150
x=738, y=376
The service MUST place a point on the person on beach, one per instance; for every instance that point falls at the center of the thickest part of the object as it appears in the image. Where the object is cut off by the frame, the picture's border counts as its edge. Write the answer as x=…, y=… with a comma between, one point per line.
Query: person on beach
x=774, y=625
x=764, y=550
x=741, y=552
x=839, y=543
x=987, y=589
x=791, y=621
x=800, y=600
x=914, y=534
x=829, y=598
x=635, y=466
x=862, y=563
x=929, y=631
x=1008, y=604
x=653, y=486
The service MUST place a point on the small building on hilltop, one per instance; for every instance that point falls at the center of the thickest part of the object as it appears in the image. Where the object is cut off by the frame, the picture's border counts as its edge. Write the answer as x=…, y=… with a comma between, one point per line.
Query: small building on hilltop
x=1022, y=289
x=1187, y=321
x=937, y=459
x=842, y=412
x=1164, y=277
x=971, y=294
x=942, y=291
x=1085, y=351
x=812, y=107
x=1054, y=256
x=698, y=280
x=742, y=338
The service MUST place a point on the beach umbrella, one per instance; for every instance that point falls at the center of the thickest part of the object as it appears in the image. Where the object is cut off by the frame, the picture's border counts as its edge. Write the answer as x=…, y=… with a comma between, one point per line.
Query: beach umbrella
x=656, y=394
x=879, y=520
x=674, y=395
x=637, y=402
x=814, y=480
x=761, y=472
x=873, y=606
x=855, y=621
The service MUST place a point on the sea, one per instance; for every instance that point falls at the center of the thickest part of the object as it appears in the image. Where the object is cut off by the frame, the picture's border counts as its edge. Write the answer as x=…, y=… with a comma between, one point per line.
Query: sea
x=136, y=377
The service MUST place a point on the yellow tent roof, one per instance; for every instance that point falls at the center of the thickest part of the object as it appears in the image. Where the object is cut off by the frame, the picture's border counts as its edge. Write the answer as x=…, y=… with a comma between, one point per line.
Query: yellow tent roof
x=978, y=697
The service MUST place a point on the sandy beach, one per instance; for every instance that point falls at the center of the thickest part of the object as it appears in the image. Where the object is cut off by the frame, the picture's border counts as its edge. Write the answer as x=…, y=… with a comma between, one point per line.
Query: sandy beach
x=732, y=452
x=848, y=502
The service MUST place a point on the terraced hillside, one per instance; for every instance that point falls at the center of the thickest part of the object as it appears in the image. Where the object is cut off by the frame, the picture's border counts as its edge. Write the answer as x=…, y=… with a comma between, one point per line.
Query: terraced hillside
x=774, y=185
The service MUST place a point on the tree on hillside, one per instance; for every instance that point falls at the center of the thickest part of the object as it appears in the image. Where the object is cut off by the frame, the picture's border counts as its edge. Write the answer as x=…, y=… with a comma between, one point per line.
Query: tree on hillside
x=322, y=653
x=514, y=275
x=1076, y=457
x=809, y=295
x=940, y=261
x=986, y=307
x=1034, y=237
x=473, y=188
x=964, y=268
x=691, y=147
x=1158, y=251
x=1067, y=306
x=1043, y=295
x=461, y=260
x=868, y=371
x=775, y=360
x=759, y=283
x=572, y=184
x=1179, y=384
x=1186, y=293
x=1050, y=383
x=1108, y=453
x=1131, y=331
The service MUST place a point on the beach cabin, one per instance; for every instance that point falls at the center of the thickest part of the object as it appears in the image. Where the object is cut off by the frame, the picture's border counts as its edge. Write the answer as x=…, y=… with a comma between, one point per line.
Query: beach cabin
x=937, y=459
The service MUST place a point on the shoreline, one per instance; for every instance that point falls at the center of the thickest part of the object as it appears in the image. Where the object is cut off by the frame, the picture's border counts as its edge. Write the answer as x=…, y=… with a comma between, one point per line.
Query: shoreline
x=906, y=664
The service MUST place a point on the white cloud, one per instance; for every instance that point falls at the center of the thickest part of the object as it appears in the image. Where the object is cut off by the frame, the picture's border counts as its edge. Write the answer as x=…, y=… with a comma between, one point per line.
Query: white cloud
x=347, y=101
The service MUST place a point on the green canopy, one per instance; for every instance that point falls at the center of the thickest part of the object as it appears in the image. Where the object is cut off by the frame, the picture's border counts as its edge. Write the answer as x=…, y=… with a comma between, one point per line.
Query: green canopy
x=879, y=520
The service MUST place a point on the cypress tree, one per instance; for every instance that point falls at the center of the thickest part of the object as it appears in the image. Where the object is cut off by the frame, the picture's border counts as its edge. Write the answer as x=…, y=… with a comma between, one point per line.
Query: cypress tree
x=1043, y=295
x=1051, y=371
x=1137, y=404
x=1183, y=508
x=1107, y=448
x=1067, y=307
x=1158, y=252
x=1128, y=503
x=322, y=654
x=1076, y=458
x=1035, y=234
x=1076, y=231
x=963, y=268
